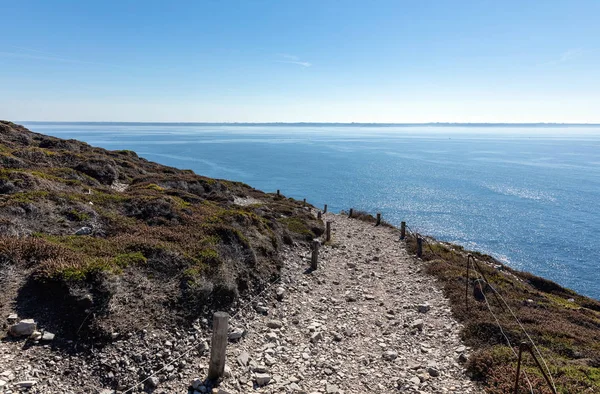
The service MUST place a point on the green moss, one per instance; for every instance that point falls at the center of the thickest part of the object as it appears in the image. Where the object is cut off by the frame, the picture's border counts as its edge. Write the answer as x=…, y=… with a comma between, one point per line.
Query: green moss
x=83, y=271
x=28, y=197
x=103, y=198
x=77, y=216
x=89, y=246
x=153, y=186
x=129, y=259
x=180, y=202
x=296, y=225
x=5, y=149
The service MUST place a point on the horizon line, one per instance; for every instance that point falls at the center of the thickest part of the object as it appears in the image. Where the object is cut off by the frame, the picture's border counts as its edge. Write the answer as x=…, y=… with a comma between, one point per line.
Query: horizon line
x=408, y=124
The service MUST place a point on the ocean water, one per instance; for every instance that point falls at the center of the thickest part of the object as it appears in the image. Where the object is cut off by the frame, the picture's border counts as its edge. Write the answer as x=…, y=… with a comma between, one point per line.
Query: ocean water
x=528, y=195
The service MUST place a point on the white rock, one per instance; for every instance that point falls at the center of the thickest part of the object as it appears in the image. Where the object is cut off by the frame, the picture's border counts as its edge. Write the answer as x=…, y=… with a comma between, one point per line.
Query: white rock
x=243, y=359
x=271, y=336
x=84, y=231
x=236, y=333
x=47, y=336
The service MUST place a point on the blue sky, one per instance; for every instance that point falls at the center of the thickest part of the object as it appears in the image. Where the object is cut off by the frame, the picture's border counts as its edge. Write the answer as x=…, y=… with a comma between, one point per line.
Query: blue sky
x=329, y=61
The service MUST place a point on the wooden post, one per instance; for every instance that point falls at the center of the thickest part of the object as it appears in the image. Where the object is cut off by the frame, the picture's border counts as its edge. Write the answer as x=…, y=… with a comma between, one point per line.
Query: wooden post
x=319, y=215
x=351, y=212
x=325, y=209
x=519, y=367
x=315, y=254
x=419, y=246
x=218, y=345
x=328, y=232
x=378, y=219
x=402, y=230
x=278, y=192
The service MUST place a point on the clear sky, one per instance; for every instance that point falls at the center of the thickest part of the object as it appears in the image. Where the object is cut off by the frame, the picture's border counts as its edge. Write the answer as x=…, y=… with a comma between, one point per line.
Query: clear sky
x=311, y=61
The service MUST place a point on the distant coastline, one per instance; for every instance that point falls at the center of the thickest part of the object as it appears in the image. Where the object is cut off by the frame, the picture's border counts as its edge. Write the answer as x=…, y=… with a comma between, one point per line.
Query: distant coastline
x=322, y=124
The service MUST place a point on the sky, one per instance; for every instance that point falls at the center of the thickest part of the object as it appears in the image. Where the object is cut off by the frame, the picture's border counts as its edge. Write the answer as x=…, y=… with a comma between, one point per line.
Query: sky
x=301, y=61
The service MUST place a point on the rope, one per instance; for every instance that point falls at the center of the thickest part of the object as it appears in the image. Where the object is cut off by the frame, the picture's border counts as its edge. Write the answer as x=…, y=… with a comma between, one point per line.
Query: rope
x=193, y=345
x=502, y=331
x=526, y=334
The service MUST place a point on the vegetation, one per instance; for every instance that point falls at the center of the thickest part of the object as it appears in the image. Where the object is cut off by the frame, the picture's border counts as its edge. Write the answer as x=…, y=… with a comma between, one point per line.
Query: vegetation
x=565, y=326
x=161, y=244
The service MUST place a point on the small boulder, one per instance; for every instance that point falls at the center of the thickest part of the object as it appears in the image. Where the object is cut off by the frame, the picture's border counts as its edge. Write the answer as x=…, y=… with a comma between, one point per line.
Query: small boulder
x=418, y=324
x=274, y=324
x=263, y=310
x=243, y=359
x=24, y=328
x=153, y=382
x=26, y=383
x=390, y=355
x=316, y=337
x=47, y=336
x=84, y=231
x=331, y=388
x=262, y=379
x=433, y=371
x=280, y=293
x=236, y=334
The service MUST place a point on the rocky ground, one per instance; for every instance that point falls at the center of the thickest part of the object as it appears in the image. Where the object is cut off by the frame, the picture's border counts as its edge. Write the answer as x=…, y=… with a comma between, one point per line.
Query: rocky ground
x=367, y=320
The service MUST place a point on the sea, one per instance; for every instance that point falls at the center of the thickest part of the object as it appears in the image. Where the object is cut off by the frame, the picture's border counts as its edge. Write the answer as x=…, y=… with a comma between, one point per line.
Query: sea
x=527, y=194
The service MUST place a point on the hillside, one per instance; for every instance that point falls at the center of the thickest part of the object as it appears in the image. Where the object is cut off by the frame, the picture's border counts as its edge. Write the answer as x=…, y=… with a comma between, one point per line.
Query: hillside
x=96, y=242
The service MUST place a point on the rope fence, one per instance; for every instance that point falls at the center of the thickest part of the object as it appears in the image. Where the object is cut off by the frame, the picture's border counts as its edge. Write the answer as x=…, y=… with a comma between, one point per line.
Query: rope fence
x=502, y=303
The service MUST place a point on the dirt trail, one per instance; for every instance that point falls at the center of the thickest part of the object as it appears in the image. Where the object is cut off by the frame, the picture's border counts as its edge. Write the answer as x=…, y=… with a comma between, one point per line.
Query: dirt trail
x=367, y=320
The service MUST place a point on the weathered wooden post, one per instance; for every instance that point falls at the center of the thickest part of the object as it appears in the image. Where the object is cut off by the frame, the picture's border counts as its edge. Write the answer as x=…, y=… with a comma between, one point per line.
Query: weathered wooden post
x=351, y=212
x=378, y=219
x=328, y=231
x=319, y=215
x=402, y=230
x=314, y=261
x=278, y=192
x=419, y=246
x=218, y=345
x=325, y=209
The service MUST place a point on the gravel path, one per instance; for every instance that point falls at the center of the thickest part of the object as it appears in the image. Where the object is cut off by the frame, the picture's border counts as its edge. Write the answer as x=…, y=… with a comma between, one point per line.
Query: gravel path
x=366, y=321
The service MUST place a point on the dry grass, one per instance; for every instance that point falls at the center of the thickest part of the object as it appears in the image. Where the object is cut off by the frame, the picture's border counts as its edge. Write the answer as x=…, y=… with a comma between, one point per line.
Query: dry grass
x=566, y=332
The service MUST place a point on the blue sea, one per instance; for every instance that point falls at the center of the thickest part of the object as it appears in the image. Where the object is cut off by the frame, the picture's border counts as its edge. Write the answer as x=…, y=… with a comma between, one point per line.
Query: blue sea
x=530, y=196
